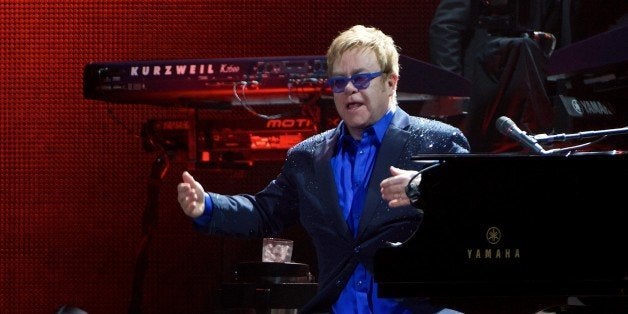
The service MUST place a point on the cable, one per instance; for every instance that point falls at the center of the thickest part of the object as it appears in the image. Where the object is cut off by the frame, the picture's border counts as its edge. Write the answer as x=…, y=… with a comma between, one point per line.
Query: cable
x=570, y=149
x=119, y=122
x=245, y=104
x=290, y=93
x=412, y=189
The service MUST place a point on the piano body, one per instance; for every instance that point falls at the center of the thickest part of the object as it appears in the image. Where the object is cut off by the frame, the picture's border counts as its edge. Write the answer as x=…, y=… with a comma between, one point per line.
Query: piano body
x=528, y=231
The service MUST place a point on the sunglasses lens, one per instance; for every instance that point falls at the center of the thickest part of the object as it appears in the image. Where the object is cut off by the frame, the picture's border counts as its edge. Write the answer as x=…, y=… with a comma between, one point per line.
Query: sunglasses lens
x=339, y=84
x=361, y=81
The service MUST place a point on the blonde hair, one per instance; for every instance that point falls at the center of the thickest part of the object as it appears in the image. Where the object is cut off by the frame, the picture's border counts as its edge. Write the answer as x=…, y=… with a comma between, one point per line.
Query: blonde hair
x=367, y=38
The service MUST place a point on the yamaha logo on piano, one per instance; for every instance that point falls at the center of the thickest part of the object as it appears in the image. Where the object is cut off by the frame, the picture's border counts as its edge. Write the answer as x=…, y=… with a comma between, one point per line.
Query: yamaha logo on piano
x=493, y=235
x=494, y=251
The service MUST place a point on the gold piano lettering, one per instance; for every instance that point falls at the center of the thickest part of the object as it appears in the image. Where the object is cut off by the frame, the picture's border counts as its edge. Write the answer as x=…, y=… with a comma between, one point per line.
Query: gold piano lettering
x=494, y=254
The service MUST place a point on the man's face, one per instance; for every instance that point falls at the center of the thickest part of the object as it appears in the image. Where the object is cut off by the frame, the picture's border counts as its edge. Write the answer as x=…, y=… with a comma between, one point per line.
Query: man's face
x=362, y=108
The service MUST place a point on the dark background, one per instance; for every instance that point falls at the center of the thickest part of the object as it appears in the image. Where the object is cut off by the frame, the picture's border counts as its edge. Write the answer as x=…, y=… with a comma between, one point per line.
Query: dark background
x=74, y=175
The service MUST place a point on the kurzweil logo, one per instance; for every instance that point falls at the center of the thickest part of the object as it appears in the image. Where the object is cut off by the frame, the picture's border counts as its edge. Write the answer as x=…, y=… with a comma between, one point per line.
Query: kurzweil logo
x=491, y=252
x=183, y=69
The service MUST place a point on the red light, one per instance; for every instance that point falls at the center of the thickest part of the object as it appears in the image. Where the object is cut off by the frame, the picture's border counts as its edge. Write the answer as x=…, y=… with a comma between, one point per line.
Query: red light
x=205, y=156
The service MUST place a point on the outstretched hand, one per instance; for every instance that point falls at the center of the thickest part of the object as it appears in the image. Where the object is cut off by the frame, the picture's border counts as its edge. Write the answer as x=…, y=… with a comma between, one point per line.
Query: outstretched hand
x=191, y=196
x=393, y=188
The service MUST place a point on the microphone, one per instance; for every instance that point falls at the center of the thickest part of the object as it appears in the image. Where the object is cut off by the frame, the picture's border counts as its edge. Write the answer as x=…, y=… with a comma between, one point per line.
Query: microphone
x=507, y=127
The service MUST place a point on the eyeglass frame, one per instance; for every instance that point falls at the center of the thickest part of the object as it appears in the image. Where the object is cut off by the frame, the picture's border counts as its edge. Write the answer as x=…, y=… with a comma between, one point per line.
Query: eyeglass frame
x=359, y=86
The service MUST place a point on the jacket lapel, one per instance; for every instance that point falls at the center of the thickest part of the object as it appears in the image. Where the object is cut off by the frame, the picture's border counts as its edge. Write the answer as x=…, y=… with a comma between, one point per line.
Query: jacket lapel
x=392, y=147
x=328, y=190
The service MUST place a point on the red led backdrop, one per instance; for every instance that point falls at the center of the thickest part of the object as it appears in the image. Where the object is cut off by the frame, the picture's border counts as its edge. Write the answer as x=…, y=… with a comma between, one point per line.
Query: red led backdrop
x=74, y=176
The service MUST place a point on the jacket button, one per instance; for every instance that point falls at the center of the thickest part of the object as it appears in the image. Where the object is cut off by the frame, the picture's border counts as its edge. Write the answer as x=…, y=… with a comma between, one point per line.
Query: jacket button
x=356, y=250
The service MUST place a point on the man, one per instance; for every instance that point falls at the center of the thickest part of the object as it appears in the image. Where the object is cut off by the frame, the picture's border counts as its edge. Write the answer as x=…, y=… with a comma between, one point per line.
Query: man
x=346, y=185
x=493, y=44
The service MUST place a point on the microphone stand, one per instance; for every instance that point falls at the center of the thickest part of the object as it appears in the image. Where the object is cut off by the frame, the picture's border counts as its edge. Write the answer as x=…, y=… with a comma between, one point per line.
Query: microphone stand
x=151, y=143
x=149, y=222
x=544, y=138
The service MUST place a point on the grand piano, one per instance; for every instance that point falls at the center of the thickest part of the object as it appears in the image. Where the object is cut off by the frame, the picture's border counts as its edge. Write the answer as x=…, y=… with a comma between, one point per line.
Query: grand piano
x=516, y=234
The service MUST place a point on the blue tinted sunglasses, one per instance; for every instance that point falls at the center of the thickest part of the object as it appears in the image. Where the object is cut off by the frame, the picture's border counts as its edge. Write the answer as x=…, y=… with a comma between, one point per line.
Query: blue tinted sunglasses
x=360, y=81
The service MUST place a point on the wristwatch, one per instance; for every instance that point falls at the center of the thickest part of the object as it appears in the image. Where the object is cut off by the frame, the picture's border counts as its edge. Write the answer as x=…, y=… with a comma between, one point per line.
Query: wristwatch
x=412, y=190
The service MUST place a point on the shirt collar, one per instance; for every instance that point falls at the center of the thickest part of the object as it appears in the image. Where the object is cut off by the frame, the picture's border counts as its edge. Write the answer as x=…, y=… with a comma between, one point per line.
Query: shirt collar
x=379, y=128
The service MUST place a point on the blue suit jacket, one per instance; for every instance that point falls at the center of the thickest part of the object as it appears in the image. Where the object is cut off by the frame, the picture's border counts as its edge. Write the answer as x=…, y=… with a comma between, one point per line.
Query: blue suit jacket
x=305, y=192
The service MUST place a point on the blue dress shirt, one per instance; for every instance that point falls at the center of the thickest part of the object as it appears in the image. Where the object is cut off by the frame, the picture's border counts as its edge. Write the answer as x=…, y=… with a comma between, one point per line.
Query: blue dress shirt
x=352, y=164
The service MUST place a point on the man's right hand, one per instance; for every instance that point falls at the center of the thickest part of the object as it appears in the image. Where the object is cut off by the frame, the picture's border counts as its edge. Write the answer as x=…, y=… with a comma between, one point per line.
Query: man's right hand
x=191, y=196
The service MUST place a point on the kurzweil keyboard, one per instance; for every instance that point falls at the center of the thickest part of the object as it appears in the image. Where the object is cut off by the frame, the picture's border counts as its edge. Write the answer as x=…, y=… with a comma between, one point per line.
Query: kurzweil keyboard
x=204, y=82
x=212, y=83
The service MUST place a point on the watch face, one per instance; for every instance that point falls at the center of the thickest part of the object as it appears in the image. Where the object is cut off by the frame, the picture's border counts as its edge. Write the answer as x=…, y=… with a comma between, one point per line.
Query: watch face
x=414, y=185
x=412, y=191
